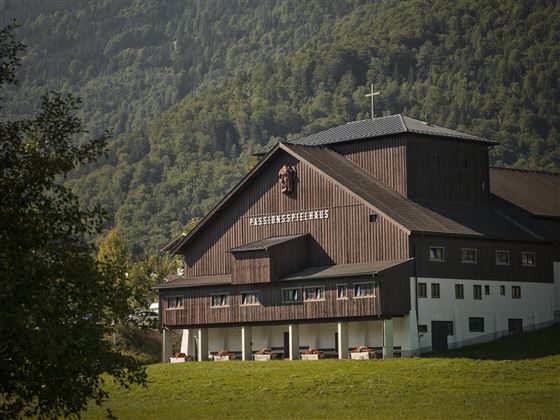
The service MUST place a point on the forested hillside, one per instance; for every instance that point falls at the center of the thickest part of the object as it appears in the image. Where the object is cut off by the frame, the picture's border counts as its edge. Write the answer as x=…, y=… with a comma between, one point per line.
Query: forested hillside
x=192, y=88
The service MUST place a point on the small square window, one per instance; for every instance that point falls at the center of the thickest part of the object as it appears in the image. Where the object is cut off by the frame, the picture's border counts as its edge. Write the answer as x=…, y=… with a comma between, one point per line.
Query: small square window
x=175, y=302
x=503, y=290
x=422, y=290
x=364, y=290
x=486, y=290
x=516, y=292
x=435, y=290
x=220, y=300
x=502, y=257
x=476, y=324
x=292, y=295
x=422, y=328
x=315, y=293
x=342, y=291
x=437, y=253
x=459, y=291
x=528, y=259
x=468, y=255
x=249, y=298
x=477, y=292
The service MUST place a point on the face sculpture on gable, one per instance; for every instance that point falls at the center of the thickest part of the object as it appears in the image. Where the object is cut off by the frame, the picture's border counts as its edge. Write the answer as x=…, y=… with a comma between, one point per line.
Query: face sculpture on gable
x=287, y=177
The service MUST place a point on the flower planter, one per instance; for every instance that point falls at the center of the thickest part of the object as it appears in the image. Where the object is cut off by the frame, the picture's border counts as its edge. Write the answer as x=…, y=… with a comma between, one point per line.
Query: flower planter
x=312, y=356
x=177, y=359
x=223, y=358
x=261, y=357
x=364, y=355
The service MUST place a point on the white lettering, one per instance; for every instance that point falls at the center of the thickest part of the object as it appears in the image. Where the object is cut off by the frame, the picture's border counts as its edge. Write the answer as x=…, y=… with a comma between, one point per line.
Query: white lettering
x=289, y=217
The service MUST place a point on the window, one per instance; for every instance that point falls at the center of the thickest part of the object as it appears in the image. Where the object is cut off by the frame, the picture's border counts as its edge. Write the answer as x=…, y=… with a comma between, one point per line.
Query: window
x=315, y=293
x=364, y=290
x=341, y=291
x=435, y=160
x=477, y=292
x=528, y=259
x=502, y=257
x=459, y=291
x=476, y=324
x=291, y=295
x=516, y=292
x=503, y=290
x=220, y=300
x=249, y=298
x=437, y=253
x=486, y=290
x=422, y=290
x=435, y=290
x=175, y=302
x=468, y=255
x=422, y=328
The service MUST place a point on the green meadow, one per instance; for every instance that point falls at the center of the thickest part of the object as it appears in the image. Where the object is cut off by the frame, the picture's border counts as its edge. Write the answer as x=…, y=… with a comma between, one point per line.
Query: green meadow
x=516, y=376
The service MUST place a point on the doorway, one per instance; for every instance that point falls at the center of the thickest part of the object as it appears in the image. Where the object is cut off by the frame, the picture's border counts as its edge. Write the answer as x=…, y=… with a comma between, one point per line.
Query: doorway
x=515, y=326
x=440, y=331
x=286, y=345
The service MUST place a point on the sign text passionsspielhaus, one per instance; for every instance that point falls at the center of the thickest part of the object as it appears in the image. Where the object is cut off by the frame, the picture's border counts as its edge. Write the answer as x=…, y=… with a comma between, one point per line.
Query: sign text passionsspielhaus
x=289, y=217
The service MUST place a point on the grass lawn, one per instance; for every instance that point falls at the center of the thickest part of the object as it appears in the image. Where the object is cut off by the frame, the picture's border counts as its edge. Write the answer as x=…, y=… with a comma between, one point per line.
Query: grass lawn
x=512, y=377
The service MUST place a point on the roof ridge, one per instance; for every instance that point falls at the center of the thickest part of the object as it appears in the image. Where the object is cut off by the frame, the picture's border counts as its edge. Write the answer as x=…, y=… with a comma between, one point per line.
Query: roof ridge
x=538, y=171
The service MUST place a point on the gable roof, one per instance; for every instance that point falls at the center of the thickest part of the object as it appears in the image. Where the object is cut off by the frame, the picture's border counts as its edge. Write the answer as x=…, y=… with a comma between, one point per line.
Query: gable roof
x=382, y=126
x=534, y=191
x=415, y=216
x=411, y=216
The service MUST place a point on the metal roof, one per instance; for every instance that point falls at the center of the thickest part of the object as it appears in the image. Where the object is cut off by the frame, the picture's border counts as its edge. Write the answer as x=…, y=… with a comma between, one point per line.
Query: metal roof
x=181, y=281
x=264, y=244
x=382, y=126
x=415, y=216
x=343, y=270
x=534, y=191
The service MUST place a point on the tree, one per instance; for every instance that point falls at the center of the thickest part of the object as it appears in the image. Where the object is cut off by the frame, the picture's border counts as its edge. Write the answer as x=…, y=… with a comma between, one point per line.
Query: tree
x=58, y=304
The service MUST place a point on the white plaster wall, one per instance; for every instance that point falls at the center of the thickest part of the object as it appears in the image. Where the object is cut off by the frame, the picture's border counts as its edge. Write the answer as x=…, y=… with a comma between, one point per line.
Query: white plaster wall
x=535, y=308
x=322, y=335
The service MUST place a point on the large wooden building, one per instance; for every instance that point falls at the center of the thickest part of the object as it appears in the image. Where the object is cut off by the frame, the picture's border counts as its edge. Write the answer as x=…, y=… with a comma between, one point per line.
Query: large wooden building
x=389, y=233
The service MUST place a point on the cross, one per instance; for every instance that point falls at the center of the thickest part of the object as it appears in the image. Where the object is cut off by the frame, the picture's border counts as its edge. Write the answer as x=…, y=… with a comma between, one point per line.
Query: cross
x=372, y=94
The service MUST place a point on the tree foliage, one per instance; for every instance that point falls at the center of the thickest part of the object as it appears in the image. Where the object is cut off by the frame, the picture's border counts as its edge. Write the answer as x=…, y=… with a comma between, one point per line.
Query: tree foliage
x=192, y=88
x=57, y=303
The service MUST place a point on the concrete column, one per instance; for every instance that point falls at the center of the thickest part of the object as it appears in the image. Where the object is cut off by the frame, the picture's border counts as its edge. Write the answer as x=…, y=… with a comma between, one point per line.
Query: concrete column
x=293, y=330
x=188, y=343
x=388, y=338
x=202, y=344
x=246, y=343
x=166, y=346
x=342, y=329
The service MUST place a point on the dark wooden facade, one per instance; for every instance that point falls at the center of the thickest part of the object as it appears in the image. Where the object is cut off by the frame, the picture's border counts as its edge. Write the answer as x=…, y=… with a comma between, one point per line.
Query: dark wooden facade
x=392, y=298
x=422, y=167
x=485, y=267
x=347, y=236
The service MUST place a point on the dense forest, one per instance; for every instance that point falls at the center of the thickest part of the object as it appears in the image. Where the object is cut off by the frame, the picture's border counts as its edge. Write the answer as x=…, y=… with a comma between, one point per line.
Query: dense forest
x=192, y=88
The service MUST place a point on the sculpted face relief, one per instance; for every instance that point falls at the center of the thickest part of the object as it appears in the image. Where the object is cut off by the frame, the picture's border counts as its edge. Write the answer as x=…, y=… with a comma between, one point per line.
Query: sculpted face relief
x=287, y=178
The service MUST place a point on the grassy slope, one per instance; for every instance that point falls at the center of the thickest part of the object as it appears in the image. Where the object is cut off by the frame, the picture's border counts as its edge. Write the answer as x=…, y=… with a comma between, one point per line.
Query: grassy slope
x=496, y=380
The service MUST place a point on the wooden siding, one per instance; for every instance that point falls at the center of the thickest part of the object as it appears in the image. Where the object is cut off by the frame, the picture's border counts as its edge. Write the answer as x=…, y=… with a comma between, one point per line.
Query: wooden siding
x=197, y=310
x=289, y=257
x=394, y=293
x=485, y=268
x=345, y=237
x=252, y=267
x=449, y=181
x=384, y=158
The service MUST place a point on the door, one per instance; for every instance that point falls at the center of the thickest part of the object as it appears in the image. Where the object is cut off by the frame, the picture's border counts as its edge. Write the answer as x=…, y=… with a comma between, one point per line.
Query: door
x=286, y=345
x=515, y=326
x=440, y=331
